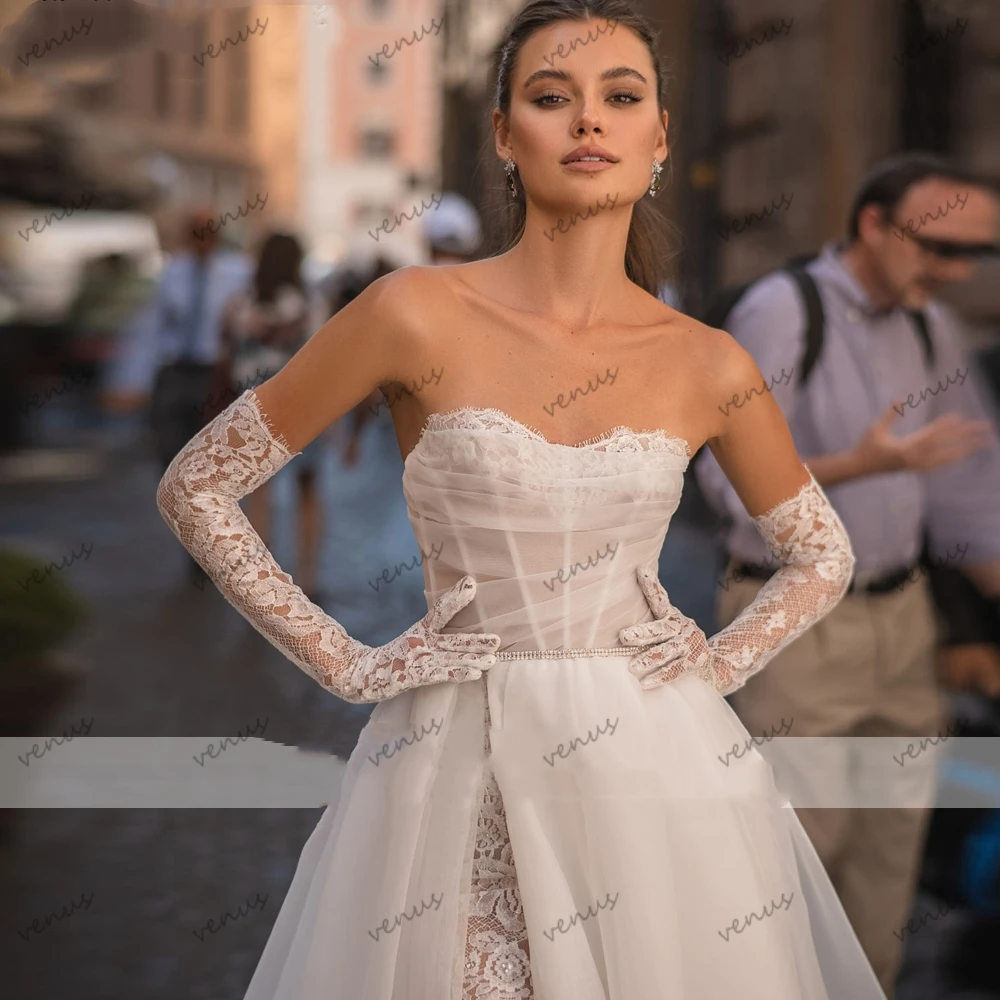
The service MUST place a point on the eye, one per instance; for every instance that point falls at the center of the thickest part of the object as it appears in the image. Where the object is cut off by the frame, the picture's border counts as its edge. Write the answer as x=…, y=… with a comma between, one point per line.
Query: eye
x=632, y=98
x=620, y=97
x=543, y=100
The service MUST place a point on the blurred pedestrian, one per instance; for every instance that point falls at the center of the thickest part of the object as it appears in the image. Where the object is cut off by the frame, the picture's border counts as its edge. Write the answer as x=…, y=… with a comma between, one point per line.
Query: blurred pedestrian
x=453, y=231
x=112, y=290
x=195, y=287
x=894, y=427
x=263, y=326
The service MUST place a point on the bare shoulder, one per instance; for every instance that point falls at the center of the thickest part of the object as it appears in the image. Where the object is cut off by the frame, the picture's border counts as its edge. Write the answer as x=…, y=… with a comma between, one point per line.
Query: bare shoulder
x=405, y=297
x=715, y=359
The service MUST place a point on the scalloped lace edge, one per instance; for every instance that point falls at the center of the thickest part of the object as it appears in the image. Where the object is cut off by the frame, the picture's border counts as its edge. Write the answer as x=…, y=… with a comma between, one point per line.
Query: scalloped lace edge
x=532, y=433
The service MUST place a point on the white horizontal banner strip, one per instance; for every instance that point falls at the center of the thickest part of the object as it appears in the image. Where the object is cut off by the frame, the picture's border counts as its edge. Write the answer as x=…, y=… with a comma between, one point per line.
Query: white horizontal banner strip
x=164, y=772
x=80, y=772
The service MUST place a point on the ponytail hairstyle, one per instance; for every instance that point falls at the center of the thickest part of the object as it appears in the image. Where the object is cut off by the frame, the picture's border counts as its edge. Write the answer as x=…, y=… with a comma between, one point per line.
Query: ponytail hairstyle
x=647, y=250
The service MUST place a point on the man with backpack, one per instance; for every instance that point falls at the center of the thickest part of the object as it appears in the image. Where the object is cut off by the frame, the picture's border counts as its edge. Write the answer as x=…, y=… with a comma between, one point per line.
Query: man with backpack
x=869, y=370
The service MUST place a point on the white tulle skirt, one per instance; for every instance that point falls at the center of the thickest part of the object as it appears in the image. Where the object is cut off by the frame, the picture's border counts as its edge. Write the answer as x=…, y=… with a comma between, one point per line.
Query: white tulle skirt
x=651, y=862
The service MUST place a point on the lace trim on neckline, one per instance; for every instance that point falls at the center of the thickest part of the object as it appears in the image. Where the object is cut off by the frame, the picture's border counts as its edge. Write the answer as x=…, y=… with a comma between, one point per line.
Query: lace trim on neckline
x=482, y=416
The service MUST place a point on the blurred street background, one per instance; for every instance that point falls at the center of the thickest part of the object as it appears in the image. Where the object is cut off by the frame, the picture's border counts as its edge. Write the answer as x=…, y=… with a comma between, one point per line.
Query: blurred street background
x=111, y=142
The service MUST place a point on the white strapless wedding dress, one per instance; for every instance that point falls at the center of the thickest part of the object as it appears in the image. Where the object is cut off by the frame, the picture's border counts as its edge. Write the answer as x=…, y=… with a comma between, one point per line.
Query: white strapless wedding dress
x=554, y=831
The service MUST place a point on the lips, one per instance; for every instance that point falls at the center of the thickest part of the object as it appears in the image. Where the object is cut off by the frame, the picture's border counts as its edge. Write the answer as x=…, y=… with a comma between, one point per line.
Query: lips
x=590, y=154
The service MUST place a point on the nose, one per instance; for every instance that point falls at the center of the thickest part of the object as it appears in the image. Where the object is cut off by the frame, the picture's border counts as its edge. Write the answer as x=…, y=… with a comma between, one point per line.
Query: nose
x=588, y=122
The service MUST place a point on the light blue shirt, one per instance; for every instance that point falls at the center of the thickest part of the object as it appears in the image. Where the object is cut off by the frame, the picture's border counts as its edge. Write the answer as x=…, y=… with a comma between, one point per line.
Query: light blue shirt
x=228, y=273
x=870, y=358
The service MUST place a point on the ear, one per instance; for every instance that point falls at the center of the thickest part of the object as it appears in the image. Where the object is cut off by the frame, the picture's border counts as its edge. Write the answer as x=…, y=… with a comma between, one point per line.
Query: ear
x=501, y=135
x=662, y=149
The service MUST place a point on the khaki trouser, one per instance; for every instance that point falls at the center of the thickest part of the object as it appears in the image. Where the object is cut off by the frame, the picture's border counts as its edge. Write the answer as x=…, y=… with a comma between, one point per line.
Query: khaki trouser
x=866, y=669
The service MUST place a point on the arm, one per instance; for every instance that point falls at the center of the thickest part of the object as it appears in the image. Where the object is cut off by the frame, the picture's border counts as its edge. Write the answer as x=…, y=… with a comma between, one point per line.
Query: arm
x=828, y=470
x=769, y=324
x=754, y=448
x=944, y=440
x=245, y=446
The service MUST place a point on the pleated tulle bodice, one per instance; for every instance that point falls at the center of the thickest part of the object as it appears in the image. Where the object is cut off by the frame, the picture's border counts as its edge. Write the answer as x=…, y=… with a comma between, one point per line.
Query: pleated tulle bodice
x=553, y=534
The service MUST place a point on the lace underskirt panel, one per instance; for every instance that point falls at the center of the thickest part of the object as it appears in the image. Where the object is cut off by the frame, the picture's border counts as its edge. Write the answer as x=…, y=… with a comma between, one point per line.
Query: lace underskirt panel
x=496, y=949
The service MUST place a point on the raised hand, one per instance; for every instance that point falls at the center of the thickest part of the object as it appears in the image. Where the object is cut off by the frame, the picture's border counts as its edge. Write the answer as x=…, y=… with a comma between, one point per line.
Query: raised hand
x=947, y=439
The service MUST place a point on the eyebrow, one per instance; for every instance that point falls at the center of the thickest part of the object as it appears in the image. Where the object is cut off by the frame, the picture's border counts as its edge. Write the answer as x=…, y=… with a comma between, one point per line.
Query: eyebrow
x=617, y=73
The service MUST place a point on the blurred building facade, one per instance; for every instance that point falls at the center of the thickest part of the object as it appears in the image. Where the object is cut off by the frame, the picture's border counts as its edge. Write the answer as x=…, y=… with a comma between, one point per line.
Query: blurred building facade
x=370, y=122
x=772, y=97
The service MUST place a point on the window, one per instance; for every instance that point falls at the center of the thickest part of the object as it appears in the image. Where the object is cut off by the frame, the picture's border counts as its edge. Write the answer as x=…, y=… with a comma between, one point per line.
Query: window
x=377, y=143
x=199, y=81
x=239, y=76
x=161, y=85
x=378, y=72
x=97, y=96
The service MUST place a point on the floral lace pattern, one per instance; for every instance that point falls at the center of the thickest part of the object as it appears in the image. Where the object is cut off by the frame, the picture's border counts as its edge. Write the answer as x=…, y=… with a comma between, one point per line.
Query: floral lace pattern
x=477, y=438
x=496, y=951
x=620, y=439
x=807, y=538
x=805, y=535
x=199, y=496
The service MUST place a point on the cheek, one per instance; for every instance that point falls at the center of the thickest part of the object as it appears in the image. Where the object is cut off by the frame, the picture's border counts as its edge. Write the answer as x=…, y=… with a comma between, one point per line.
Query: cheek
x=907, y=262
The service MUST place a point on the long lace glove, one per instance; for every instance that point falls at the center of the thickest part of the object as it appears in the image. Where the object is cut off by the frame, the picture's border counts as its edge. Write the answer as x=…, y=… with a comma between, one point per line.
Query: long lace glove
x=199, y=496
x=807, y=538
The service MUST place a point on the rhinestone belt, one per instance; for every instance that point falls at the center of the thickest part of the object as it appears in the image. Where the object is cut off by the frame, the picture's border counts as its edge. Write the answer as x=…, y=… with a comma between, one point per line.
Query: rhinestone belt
x=559, y=654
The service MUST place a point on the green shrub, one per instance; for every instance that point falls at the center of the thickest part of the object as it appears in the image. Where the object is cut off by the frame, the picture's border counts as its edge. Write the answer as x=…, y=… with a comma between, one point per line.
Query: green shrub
x=34, y=617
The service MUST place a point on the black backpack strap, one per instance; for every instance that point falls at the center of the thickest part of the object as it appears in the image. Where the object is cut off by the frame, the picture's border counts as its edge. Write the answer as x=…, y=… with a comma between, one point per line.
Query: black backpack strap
x=926, y=341
x=815, y=320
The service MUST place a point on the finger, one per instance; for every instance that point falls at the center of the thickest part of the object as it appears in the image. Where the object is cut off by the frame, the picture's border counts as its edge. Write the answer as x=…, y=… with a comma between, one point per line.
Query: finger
x=652, y=660
x=656, y=596
x=458, y=673
x=450, y=603
x=464, y=642
x=970, y=432
x=441, y=676
x=639, y=666
x=945, y=454
x=443, y=673
x=648, y=632
x=666, y=675
x=452, y=657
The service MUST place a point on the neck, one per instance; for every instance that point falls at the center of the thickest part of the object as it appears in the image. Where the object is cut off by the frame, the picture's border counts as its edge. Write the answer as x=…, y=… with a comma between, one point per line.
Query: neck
x=859, y=262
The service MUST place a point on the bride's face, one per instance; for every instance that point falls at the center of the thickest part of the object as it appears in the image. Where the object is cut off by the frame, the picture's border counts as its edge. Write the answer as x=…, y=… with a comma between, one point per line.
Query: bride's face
x=583, y=83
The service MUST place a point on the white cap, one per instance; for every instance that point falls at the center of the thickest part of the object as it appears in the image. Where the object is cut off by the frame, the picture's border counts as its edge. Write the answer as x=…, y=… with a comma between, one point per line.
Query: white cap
x=453, y=227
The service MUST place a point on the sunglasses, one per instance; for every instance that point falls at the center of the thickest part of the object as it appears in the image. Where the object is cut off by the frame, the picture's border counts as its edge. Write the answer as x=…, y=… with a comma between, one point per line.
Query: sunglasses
x=951, y=249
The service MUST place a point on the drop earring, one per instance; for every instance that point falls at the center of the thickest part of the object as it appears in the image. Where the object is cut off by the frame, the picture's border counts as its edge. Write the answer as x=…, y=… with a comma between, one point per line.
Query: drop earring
x=509, y=167
x=656, y=184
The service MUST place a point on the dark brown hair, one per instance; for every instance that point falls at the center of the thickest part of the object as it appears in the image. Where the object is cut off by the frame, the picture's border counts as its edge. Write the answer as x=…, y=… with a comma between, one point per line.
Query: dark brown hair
x=647, y=250
x=279, y=263
x=888, y=181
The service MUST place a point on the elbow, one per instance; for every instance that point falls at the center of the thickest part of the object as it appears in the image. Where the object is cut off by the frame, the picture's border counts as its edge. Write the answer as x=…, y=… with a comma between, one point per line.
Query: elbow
x=167, y=500
x=844, y=566
x=849, y=566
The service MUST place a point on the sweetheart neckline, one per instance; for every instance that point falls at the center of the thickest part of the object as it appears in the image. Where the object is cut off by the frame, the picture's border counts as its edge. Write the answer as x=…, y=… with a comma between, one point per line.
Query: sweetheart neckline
x=537, y=435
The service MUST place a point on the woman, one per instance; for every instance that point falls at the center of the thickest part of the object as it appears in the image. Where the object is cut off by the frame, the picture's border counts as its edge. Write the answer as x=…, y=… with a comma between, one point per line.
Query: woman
x=537, y=808
x=263, y=328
